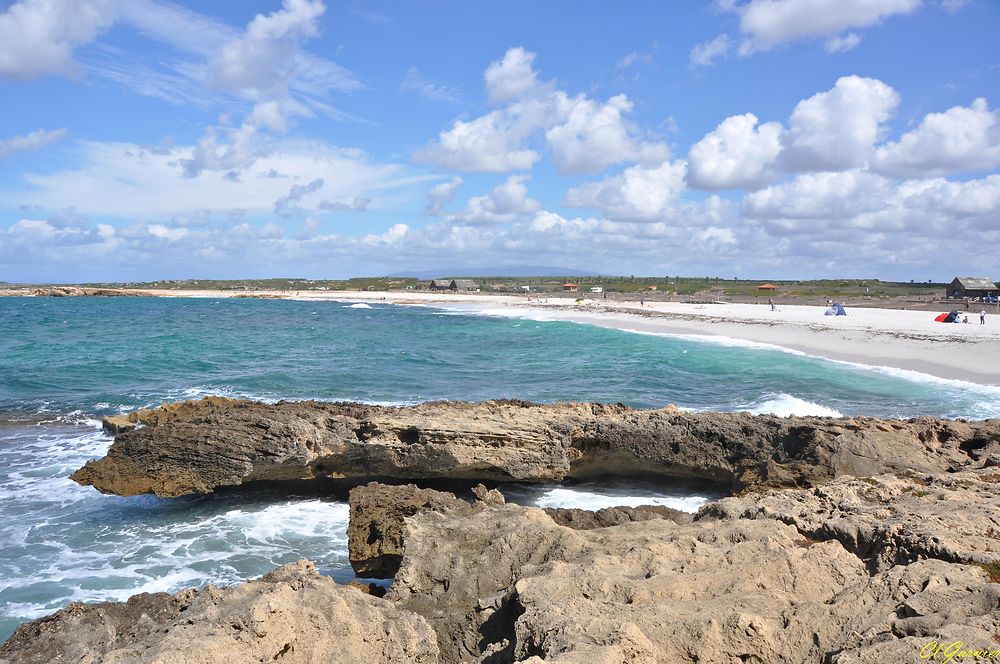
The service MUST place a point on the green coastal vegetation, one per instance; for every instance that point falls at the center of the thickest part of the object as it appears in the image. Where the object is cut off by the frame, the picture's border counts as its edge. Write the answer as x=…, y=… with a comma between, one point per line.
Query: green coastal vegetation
x=708, y=287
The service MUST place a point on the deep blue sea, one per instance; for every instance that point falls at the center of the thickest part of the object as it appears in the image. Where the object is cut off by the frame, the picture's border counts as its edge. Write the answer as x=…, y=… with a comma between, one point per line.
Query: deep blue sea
x=65, y=362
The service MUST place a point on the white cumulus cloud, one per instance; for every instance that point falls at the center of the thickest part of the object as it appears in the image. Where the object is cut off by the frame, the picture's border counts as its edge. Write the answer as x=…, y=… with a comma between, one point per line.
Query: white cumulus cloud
x=595, y=135
x=511, y=77
x=767, y=24
x=638, y=194
x=820, y=196
x=507, y=202
x=738, y=154
x=584, y=135
x=837, y=129
x=261, y=58
x=37, y=37
x=960, y=139
x=492, y=143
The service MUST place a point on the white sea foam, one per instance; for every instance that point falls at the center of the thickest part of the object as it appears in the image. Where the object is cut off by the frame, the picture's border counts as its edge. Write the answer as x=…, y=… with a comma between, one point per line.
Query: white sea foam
x=72, y=417
x=589, y=497
x=991, y=392
x=199, y=392
x=784, y=405
x=188, y=549
x=359, y=305
x=276, y=524
x=719, y=340
x=525, y=313
x=64, y=542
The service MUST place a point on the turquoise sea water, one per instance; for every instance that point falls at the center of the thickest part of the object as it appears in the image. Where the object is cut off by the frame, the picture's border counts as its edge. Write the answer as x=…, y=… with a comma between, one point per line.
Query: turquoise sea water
x=66, y=362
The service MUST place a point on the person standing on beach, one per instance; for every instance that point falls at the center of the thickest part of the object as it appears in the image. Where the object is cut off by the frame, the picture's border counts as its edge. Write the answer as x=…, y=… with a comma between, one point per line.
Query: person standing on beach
x=771, y=302
x=982, y=316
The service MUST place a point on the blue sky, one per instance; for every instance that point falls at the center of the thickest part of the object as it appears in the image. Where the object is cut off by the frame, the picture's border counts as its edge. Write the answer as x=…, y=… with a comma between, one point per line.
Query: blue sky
x=144, y=139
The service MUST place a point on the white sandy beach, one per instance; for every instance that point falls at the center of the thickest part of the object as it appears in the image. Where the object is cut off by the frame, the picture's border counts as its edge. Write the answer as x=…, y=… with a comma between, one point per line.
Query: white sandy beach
x=908, y=340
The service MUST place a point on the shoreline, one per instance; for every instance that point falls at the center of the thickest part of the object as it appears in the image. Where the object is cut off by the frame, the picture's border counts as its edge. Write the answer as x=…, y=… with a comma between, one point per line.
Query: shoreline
x=898, y=339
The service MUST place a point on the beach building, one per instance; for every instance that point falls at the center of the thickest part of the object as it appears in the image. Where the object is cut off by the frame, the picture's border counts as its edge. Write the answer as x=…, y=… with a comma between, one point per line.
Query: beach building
x=971, y=287
x=464, y=285
x=569, y=287
x=767, y=287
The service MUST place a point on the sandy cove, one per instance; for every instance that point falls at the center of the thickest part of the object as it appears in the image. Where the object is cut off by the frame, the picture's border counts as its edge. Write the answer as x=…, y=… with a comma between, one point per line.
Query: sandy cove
x=900, y=339
x=895, y=338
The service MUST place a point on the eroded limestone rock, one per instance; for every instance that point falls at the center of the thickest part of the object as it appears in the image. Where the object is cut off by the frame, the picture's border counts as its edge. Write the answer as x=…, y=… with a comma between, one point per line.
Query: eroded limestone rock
x=292, y=615
x=376, y=528
x=507, y=583
x=198, y=446
x=889, y=519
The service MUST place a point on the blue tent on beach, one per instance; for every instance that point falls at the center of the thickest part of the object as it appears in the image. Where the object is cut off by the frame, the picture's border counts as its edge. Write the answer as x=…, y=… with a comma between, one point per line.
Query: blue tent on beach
x=836, y=309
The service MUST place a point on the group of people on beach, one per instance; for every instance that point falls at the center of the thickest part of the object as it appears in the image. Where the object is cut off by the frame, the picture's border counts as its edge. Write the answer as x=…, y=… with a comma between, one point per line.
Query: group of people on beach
x=982, y=317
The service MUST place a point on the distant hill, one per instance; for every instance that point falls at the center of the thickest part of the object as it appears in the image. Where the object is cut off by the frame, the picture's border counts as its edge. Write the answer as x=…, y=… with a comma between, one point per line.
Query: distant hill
x=501, y=271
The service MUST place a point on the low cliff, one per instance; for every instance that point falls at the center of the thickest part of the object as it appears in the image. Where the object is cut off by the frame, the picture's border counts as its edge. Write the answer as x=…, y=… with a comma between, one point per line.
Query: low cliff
x=199, y=446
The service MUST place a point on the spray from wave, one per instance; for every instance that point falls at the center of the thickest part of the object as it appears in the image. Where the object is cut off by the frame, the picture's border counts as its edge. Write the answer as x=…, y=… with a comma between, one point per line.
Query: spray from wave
x=785, y=405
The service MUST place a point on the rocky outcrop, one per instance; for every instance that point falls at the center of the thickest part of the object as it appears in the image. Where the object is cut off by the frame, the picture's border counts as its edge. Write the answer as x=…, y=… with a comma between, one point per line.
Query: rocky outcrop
x=613, y=516
x=767, y=578
x=889, y=520
x=375, y=531
x=291, y=615
x=862, y=539
x=196, y=447
x=83, y=291
x=507, y=583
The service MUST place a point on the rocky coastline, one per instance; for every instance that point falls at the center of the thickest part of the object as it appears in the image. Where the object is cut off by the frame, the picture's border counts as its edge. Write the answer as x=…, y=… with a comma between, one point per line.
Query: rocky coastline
x=200, y=446
x=843, y=539
x=86, y=291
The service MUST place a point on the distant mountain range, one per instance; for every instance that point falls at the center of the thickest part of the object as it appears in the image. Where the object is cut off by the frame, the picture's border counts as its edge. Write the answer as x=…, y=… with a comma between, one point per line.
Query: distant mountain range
x=502, y=271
